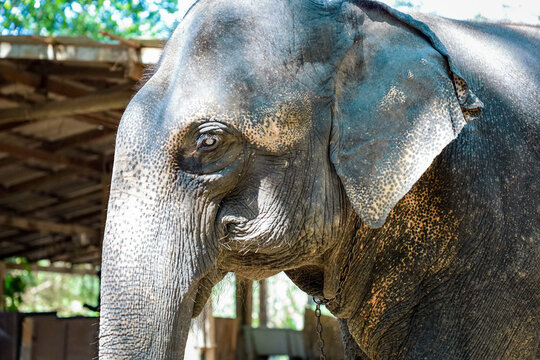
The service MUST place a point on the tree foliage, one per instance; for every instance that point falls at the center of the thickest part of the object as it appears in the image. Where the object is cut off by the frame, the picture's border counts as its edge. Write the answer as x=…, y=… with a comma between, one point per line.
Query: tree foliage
x=15, y=285
x=66, y=294
x=87, y=17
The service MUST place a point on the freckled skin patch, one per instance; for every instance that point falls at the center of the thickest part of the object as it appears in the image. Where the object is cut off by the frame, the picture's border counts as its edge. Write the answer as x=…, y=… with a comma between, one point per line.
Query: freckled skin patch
x=282, y=126
x=394, y=96
x=273, y=128
x=421, y=237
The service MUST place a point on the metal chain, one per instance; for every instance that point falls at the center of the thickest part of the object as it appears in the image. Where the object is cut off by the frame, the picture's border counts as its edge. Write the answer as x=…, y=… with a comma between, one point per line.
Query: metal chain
x=324, y=301
x=319, y=327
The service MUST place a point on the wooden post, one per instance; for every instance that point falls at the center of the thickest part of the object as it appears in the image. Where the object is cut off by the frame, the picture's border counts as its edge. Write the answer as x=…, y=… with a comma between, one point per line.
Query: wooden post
x=27, y=339
x=263, y=317
x=244, y=295
x=208, y=352
x=2, y=284
x=244, y=291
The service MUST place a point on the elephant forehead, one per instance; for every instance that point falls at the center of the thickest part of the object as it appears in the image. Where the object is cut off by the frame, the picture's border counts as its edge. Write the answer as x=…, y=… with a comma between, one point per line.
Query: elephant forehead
x=271, y=127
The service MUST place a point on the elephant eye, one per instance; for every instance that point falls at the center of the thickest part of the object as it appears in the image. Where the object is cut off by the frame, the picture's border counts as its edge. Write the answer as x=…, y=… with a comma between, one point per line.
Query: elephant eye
x=207, y=142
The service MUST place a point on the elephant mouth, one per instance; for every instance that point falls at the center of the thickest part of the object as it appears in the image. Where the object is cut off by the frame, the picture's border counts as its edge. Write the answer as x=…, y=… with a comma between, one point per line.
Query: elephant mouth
x=258, y=235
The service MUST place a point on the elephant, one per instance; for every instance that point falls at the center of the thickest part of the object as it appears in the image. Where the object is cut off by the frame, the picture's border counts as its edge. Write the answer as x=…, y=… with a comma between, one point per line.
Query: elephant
x=386, y=162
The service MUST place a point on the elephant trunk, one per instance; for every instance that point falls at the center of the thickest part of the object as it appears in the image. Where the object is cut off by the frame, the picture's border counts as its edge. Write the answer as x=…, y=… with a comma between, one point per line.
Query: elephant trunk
x=153, y=262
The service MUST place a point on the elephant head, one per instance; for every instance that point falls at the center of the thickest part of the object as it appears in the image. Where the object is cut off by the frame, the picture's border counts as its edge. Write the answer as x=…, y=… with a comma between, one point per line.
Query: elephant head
x=268, y=133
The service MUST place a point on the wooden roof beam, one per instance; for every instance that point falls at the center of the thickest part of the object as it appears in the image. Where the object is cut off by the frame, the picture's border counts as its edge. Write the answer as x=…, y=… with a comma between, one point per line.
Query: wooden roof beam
x=53, y=269
x=82, y=201
x=47, y=179
x=56, y=249
x=96, y=102
x=79, y=71
x=46, y=246
x=48, y=227
x=24, y=153
x=77, y=49
x=92, y=254
x=14, y=73
x=76, y=140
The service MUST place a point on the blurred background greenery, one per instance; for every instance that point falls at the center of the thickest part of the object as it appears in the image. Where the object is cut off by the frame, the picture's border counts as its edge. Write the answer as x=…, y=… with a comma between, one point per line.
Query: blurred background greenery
x=87, y=17
x=66, y=294
x=28, y=291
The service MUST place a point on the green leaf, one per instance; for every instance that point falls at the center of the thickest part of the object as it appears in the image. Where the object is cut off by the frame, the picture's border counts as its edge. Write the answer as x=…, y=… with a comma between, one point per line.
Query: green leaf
x=59, y=18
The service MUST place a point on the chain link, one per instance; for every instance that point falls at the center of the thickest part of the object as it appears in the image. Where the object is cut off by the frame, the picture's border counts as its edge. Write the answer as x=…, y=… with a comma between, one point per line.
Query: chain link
x=324, y=301
x=319, y=327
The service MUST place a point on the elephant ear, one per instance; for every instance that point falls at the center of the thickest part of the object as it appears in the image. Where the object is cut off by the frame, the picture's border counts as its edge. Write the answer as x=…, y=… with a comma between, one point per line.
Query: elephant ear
x=399, y=102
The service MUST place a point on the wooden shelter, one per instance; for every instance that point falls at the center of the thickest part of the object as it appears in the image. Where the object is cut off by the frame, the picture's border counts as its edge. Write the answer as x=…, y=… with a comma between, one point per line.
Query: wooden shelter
x=61, y=99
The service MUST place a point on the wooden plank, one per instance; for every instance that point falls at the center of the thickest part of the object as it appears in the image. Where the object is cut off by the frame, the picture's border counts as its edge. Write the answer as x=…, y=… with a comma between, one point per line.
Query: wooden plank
x=80, y=256
x=12, y=72
x=74, y=40
x=94, y=216
x=47, y=227
x=21, y=237
x=41, y=243
x=226, y=334
x=13, y=124
x=48, y=340
x=83, y=212
x=8, y=161
x=53, y=269
x=8, y=233
x=63, y=250
x=64, y=204
x=41, y=181
x=99, y=119
x=76, y=140
x=36, y=39
x=79, y=71
x=96, y=102
x=24, y=153
x=67, y=49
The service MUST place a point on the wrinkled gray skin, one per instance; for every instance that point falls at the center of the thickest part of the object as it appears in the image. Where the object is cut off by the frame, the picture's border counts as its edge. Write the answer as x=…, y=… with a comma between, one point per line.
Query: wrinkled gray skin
x=286, y=135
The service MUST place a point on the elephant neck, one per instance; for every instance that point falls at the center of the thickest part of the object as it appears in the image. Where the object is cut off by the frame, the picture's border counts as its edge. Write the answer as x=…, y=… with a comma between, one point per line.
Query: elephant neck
x=347, y=273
